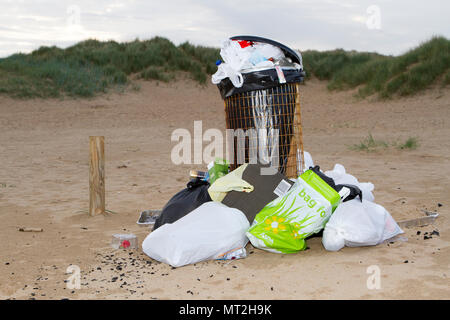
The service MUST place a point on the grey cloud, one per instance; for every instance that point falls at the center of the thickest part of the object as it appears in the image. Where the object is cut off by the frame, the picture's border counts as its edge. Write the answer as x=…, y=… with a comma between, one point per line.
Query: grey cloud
x=302, y=24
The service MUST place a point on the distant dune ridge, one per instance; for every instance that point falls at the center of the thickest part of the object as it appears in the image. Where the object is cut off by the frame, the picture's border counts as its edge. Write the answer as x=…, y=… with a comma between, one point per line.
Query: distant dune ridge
x=404, y=75
x=93, y=67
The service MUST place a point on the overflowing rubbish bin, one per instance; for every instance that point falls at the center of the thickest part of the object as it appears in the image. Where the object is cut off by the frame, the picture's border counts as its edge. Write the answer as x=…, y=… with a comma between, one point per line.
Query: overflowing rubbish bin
x=221, y=210
x=259, y=81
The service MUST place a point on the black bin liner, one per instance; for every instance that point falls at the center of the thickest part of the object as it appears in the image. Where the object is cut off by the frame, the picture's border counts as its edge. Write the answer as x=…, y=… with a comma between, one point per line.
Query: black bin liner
x=257, y=80
x=185, y=201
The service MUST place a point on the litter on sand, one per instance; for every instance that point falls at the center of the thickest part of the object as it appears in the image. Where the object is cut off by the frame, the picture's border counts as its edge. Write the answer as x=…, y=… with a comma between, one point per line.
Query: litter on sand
x=124, y=241
x=270, y=192
x=31, y=229
x=420, y=222
x=295, y=211
x=148, y=217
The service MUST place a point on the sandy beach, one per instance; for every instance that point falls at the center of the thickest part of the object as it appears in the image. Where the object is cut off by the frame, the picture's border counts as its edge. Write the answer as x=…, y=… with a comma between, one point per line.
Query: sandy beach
x=44, y=150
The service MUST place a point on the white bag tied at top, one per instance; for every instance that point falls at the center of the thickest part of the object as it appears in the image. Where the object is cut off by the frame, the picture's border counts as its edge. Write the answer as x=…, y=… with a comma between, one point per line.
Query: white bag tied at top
x=205, y=233
x=356, y=223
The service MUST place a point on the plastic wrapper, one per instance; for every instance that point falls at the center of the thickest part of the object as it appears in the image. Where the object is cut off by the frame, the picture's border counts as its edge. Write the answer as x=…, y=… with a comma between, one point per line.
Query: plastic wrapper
x=233, y=254
x=148, y=217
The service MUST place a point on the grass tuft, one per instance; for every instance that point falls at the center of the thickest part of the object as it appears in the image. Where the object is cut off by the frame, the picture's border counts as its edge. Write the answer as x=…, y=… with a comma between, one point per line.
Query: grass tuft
x=369, y=144
x=411, y=144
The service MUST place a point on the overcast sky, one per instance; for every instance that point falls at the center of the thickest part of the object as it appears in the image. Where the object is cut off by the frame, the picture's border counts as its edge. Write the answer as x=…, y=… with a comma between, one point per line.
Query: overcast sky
x=388, y=27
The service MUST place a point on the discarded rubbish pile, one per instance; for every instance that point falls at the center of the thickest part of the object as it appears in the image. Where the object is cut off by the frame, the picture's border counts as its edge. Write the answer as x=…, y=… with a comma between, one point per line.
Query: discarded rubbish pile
x=269, y=192
x=275, y=213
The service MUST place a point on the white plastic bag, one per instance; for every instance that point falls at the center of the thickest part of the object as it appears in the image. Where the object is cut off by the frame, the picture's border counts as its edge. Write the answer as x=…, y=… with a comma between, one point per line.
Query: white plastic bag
x=340, y=176
x=237, y=59
x=235, y=56
x=308, y=160
x=225, y=71
x=205, y=233
x=356, y=223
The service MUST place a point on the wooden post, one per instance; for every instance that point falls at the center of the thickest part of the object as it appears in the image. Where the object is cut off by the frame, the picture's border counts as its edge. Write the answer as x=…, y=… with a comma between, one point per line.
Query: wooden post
x=96, y=175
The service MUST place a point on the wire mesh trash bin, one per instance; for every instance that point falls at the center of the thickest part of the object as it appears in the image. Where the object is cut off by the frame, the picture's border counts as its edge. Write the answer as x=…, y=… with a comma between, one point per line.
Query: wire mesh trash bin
x=265, y=114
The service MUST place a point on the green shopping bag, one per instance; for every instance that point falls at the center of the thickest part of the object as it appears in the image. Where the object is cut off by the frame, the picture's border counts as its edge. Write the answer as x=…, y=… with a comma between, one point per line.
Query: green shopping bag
x=283, y=224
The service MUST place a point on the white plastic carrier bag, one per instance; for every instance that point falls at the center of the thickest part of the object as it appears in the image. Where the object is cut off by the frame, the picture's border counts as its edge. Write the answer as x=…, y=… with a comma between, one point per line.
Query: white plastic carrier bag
x=205, y=233
x=284, y=223
x=355, y=223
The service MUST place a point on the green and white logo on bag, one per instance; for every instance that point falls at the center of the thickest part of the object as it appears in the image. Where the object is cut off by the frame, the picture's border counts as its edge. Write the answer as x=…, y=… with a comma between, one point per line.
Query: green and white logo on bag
x=283, y=224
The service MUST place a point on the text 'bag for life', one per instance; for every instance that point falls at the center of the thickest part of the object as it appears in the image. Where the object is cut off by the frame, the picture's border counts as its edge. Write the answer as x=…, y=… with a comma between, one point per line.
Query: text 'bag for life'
x=283, y=224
